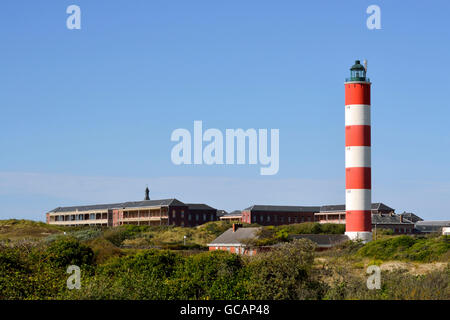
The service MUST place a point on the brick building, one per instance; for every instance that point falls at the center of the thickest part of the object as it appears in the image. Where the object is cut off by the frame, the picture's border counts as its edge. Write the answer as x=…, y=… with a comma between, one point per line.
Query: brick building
x=383, y=217
x=397, y=223
x=277, y=215
x=147, y=212
x=336, y=213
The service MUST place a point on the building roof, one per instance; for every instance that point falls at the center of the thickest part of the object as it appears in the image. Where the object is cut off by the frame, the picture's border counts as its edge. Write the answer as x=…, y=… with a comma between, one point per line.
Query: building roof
x=152, y=203
x=440, y=223
x=323, y=240
x=130, y=204
x=235, y=238
x=381, y=206
x=431, y=226
x=388, y=219
x=221, y=213
x=333, y=207
x=283, y=208
x=341, y=207
x=411, y=217
x=199, y=206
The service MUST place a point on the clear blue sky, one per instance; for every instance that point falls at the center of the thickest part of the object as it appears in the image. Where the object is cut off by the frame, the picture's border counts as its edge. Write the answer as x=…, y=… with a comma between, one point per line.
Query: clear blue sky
x=87, y=114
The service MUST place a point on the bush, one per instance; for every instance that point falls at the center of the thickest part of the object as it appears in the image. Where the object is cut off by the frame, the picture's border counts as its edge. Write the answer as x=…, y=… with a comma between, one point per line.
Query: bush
x=23, y=274
x=210, y=275
x=144, y=275
x=103, y=250
x=285, y=273
x=69, y=251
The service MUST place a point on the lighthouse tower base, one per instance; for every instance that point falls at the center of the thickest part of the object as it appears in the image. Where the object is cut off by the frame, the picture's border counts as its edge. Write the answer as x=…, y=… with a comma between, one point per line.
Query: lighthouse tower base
x=364, y=236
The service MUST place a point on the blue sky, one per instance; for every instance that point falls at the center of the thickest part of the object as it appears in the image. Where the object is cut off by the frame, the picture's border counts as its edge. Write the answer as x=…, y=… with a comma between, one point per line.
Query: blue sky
x=87, y=114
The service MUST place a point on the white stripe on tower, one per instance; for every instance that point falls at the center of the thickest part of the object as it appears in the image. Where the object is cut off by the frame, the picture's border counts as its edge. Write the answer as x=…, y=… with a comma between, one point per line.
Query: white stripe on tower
x=357, y=114
x=357, y=157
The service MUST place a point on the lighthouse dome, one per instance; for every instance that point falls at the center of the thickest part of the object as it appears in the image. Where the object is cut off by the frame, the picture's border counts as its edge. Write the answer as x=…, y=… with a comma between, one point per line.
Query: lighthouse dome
x=357, y=66
x=357, y=72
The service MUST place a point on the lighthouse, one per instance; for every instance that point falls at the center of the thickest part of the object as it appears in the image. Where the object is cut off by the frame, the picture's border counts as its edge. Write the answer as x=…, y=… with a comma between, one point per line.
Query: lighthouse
x=358, y=198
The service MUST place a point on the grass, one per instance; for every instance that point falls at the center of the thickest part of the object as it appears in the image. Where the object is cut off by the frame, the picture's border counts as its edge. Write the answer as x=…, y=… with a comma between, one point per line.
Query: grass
x=26, y=230
x=408, y=248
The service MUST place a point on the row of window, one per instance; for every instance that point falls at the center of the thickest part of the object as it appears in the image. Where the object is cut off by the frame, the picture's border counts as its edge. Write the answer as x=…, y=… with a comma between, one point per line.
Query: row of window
x=263, y=218
x=401, y=230
x=76, y=217
x=197, y=216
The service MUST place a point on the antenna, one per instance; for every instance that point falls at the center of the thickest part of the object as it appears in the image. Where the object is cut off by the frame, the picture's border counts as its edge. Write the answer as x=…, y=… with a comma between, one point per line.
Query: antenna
x=365, y=65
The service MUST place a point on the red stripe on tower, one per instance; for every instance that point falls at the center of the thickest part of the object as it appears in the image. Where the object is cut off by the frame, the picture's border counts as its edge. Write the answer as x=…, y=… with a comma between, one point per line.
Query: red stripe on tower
x=358, y=200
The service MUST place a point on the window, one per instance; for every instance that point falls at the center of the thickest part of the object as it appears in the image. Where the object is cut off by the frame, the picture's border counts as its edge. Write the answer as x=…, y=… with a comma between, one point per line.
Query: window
x=212, y=217
x=268, y=218
x=289, y=219
x=173, y=213
x=182, y=213
x=196, y=217
x=254, y=218
x=204, y=217
x=189, y=217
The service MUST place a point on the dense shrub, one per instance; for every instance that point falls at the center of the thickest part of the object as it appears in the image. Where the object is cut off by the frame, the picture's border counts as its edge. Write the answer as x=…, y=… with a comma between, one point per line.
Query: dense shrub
x=103, y=250
x=69, y=251
x=211, y=275
x=407, y=248
x=285, y=273
x=25, y=275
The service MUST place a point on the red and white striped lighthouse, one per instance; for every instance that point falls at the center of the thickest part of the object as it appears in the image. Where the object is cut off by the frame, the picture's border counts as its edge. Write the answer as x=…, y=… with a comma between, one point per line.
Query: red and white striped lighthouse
x=358, y=199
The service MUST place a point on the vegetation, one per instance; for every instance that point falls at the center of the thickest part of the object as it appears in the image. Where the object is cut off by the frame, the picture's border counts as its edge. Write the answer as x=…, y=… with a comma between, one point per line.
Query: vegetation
x=423, y=249
x=142, y=262
x=269, y=235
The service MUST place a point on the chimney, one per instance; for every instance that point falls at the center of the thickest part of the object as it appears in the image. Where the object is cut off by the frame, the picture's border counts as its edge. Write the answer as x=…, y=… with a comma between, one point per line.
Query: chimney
x=236, y=226
x=147, y=194
x=401, y=218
